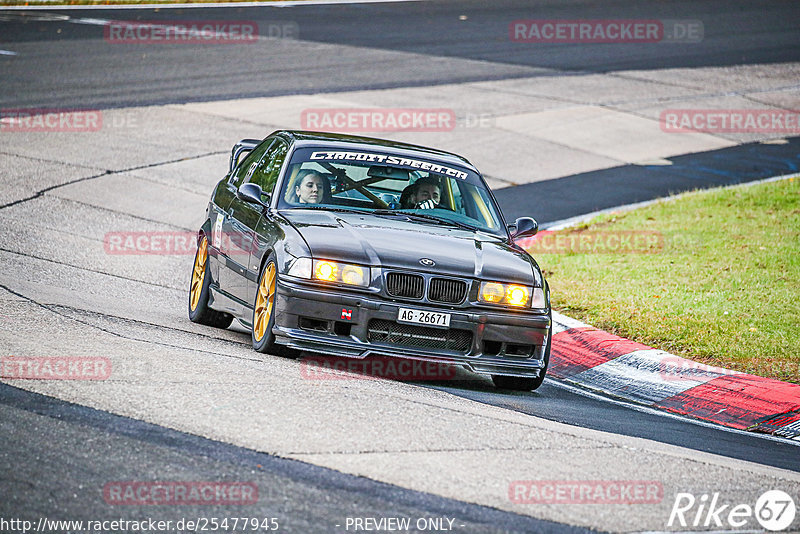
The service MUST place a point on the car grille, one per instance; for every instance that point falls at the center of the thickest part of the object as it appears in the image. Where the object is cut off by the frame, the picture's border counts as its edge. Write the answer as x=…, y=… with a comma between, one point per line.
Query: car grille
x=405, y=285
x=447, y=290
x=412, y=286
x=382, y=331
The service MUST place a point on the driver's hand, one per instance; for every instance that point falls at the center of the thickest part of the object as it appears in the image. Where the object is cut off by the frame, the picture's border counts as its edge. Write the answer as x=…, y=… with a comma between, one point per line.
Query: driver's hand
x=426, y=205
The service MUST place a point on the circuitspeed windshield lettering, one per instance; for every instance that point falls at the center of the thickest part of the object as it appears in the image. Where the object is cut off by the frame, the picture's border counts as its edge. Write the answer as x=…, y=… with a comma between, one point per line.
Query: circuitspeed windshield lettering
x=389, y=160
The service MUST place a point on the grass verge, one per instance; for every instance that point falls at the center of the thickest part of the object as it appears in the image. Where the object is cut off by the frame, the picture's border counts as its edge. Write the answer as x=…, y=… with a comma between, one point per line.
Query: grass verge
x=713, y=276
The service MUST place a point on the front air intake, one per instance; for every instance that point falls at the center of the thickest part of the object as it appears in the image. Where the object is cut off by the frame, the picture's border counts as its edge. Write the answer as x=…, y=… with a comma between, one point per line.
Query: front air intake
x=404, y=285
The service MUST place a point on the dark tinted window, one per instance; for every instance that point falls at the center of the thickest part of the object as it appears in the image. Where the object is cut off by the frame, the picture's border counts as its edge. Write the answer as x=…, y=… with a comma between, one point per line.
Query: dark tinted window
x=265, y=174
x=253, y=157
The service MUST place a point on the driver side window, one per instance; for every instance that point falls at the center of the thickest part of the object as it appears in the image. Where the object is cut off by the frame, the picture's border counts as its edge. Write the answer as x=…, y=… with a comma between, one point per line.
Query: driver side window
x=243, y=169
x=265, y=173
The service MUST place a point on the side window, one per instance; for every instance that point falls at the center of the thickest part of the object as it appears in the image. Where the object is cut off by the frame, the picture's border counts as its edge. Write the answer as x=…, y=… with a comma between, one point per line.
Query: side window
x=265, y=174
x=253, y=157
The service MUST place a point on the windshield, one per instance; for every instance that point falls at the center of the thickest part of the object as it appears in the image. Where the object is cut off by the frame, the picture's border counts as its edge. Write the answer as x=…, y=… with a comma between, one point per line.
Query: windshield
x=389, y=185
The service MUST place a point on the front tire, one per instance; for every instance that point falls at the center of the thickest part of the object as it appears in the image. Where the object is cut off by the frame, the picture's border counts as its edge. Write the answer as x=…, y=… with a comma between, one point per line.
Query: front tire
x=199, y=312
x=524, y=383
x=517, y=383
x=264, y=308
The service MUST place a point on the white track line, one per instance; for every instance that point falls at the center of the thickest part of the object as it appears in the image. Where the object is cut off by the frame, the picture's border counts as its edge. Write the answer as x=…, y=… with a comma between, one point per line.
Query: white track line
x=296, y=3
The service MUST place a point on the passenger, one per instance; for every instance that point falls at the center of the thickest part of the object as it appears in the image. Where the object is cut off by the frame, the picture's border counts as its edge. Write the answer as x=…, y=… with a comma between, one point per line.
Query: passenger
x=428, y=193
x=425, y=193
x=311, y=187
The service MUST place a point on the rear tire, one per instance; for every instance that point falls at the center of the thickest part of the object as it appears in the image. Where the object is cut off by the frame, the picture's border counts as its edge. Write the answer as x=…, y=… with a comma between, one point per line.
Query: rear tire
x=199, y=312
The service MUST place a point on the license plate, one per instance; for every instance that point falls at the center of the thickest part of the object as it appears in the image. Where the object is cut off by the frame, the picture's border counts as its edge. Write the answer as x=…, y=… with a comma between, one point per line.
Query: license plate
x=408, y=315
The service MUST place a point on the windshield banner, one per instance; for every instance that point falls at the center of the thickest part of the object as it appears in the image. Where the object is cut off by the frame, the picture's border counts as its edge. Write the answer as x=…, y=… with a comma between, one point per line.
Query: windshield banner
x=388, y=160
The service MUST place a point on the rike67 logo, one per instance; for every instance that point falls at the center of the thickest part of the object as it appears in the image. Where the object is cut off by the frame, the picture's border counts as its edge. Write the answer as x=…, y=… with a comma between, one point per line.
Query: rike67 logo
x=774, y=510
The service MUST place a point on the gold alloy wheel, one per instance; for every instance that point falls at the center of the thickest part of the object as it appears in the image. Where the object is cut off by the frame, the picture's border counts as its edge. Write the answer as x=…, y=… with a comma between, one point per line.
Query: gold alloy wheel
x=264, y=302
x=199, y=274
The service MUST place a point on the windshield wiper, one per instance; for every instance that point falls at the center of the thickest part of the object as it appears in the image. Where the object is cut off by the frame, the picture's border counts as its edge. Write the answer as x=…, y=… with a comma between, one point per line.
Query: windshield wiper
x=326, y=207
x=424, y=217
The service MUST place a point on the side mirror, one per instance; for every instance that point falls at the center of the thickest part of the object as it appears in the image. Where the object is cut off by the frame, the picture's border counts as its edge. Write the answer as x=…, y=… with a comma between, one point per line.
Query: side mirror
x=241, y=149
x=523, y=227
x=251, y=193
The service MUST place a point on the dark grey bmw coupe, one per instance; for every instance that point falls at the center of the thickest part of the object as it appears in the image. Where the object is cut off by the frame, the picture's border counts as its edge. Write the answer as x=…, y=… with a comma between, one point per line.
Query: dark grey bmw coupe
x=356, y=247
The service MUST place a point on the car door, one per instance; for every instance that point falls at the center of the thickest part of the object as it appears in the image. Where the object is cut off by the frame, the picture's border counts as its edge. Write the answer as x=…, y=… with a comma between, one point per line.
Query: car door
x=227, y=236
x=242, y=220
x=265, y=233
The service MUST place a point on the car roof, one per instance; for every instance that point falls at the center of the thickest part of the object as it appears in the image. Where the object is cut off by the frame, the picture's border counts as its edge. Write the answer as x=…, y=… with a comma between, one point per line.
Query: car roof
x=307, y=138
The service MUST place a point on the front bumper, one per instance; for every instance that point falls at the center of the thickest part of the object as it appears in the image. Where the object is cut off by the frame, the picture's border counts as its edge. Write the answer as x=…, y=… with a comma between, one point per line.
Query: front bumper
x=338, y=323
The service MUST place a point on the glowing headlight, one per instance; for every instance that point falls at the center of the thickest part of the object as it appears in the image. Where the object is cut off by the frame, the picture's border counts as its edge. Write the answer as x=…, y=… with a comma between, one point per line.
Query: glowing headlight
x=344, y=273
x=517, y=295
x=508, y=294
x=326, y=270
x=354, y=275
x=330, y=271
x=492, y=292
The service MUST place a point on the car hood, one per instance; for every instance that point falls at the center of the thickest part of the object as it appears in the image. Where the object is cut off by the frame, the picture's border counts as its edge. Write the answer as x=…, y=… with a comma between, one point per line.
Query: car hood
x=398, y=243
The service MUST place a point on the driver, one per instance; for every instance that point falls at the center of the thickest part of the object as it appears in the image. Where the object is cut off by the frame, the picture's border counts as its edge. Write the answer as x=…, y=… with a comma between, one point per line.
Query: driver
x=311, y=187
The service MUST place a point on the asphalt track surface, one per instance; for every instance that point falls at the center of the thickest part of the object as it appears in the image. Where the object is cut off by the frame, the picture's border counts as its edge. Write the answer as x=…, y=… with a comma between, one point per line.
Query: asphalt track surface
x=69, y=65
x=579, y=194
x=104, y=447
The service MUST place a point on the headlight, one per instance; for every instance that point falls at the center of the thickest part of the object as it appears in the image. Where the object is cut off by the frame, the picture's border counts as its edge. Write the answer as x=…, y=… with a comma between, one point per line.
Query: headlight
x=343, y=273
x=330, y=271
x=301, y=268
x=511, y=295
x=538, y=298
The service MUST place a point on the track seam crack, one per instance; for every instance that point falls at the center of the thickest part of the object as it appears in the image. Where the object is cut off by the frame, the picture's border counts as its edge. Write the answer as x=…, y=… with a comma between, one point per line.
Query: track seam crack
x=106, y=173
x=26, y=255
x=52, y=307
x=124, y=213
x=45, y=160
x=116, y=334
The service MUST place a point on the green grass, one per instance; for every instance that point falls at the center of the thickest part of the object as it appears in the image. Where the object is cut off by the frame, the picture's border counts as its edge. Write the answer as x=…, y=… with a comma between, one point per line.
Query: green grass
x=723, y=290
